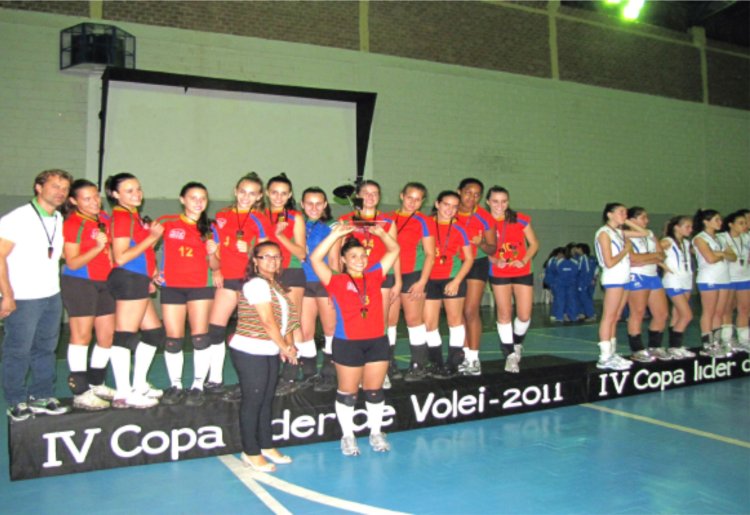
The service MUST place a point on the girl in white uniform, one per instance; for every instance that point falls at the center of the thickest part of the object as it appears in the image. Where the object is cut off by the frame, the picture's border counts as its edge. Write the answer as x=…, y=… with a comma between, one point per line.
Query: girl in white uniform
x=736, y=238
x=645, y=290
x=712, y=280
x=613, y=248
x=678, y=281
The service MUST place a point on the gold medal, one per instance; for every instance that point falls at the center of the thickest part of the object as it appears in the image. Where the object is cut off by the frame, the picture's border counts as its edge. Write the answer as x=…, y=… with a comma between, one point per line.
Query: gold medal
x=363, y=312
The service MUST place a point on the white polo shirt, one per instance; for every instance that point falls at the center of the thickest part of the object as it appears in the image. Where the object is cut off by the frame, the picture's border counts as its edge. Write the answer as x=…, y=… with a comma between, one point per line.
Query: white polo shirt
x=32, y=272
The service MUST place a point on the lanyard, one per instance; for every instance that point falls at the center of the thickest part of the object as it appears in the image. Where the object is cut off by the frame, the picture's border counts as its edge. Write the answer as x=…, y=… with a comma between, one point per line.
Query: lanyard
x=364, y=300
x=241, y=226
x=398, y=217
x=50, y=239
x=442, y=256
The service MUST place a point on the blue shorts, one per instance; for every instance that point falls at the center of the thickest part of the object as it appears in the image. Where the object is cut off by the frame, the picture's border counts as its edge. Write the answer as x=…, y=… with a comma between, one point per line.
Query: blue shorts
x=740, y=285
x=676, y=292
x=644, y=282
x=608, y=286
x=713, y=286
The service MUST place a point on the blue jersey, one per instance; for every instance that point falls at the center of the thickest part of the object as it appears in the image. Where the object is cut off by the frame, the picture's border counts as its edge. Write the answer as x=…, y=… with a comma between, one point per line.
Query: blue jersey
x=316, y=231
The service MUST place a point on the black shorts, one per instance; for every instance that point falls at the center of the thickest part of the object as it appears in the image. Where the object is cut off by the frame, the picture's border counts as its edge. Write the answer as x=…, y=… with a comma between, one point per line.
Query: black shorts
x=435, y=287
x=86, y=298
x=409, y=279
x=480, y=270
x=388, y=282
x=315, y=289
x=356, y=353
x=171, y=295
x=526, y=280
x=126, y=285
x=233, y=284
x=293, y=278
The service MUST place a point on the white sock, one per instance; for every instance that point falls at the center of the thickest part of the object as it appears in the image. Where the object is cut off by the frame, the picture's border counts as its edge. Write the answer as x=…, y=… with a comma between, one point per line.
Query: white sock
x=433, y=339
x=605, y=350
x=345, y=416
x=457, y=336
x=391, y=332
x=218, y=353
x=144, y=355
x=505, y=331
x=175, y=362
x=520, y=327
x=417, y=335
x=120, y=358
x=328, y=347
x=375, y=416
x=743, y=334
x=612, y=346
x=100, y=357
x=201, y=364
x=726, y=332
x=471, y=354
x=77, y=355
x=306, y=349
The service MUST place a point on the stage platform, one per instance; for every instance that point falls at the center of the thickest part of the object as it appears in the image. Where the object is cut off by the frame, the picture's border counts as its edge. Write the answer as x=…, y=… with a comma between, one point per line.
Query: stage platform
x=83, y=441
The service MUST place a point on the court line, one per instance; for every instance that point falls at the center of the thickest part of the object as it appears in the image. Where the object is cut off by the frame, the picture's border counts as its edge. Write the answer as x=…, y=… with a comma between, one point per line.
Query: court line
x=676, y=427
x=239, y=470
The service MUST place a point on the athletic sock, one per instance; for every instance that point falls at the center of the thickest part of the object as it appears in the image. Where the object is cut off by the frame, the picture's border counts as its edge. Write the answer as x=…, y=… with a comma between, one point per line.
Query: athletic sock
x=218, y=353
x=471, y=354
x=120, y=359
x=417, y=343
x=391, y=332
x=505, y=332
x=435, y=348
x=77, y=355
x=144, y=355
x=201, y=364
x=100, y=357
x=345, y=416
x=655, y=338
x=519, y=330
x=175, y=362
x=726, y=333
x=636, y=344
x=675, y=338
x=328, y=346
x=375, y=416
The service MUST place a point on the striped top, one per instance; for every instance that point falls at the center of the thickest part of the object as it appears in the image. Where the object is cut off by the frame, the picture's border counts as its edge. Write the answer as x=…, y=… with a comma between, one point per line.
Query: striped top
x=285, y=315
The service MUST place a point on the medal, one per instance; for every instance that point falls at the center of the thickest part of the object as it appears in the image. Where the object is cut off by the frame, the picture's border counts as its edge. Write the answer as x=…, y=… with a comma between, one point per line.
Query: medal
x=49, y=252
x=442, y=260
x=239, y=234
x=363, y=312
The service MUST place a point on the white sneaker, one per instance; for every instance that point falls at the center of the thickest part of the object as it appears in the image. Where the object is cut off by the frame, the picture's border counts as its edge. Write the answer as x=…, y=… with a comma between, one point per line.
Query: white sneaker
x=474, y=368
x=642, y=356
x=463, y=366
x=611, y=363
x=349, y=446
x=511, y=363
x=135, y=400
x=103, y=391
x=379, y=443
x=151, y=392
x=621, y=361
x=89, y=401
x=680, y=353
x=387, y=383
x=659, y=353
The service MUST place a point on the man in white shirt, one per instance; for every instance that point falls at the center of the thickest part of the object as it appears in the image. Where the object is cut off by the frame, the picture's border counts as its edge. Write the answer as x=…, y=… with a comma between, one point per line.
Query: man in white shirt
x=31, y=243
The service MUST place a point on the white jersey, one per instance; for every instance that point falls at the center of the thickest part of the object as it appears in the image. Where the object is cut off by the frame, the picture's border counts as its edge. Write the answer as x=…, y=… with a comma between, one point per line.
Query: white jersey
x=620, y=273
x=680, y=265
x=739, y=271
x=711, y=273
x=644, y=245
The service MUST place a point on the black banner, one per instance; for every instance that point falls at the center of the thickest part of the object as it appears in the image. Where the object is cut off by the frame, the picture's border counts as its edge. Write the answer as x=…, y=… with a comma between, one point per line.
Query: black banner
x=83, y=441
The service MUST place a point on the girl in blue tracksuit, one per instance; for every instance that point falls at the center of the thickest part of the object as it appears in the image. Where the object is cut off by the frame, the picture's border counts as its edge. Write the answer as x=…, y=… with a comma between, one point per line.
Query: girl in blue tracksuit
x=565, y=287
x=587, y=268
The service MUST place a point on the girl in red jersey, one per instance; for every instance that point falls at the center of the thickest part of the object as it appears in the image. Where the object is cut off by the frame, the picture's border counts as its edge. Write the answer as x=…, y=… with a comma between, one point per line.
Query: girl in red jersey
x=447, y=285
x=360, y=348
x=131, y=285
x=368, y=192
x=85, y=295
x=416, y=259
x=189, y=255
x=510, y=274
x=238, y=228
x=479, y=226
x=287, y=229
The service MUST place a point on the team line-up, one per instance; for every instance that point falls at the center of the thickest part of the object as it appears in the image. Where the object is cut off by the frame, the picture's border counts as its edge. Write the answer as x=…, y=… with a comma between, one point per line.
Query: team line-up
x=284, y=268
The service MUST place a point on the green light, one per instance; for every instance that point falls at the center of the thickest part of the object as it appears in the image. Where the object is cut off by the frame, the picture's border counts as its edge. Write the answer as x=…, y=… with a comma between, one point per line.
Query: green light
x=612, y=2
x=632, y=9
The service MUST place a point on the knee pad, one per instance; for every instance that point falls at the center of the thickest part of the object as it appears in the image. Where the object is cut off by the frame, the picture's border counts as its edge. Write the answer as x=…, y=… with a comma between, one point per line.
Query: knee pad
x=77, y=383
x=173, y=345
x=200, y=341
x=216, y=334
x=374, y=396
x=347, y=399
x=126, y=340
x=155, y=337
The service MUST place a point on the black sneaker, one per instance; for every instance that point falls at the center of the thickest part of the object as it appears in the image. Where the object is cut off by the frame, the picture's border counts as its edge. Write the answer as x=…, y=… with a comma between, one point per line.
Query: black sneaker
x=286, y=388
x=214, y=388
x=172, y=396
x=394, y=372
x=325, y=383
x=415, y=372
x=48, y=406
x=195, y=397
x=441, y=372
x=20, y=412
x=233, y=393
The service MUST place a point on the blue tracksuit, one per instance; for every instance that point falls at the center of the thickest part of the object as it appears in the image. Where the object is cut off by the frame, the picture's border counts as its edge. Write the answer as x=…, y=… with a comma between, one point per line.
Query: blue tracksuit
x=586, y=272
x=564, y=289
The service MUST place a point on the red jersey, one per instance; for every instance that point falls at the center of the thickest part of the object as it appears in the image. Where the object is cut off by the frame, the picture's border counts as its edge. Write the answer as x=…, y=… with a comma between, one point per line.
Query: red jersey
x=232, y=225
x=359, y=305
x=449, y=238
x=410, y=230
x=475, y=224
x=511, y=246
x=83, y=230
x=373, y=245
x=184, y=257
x=128, y=224
x=292, y=218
